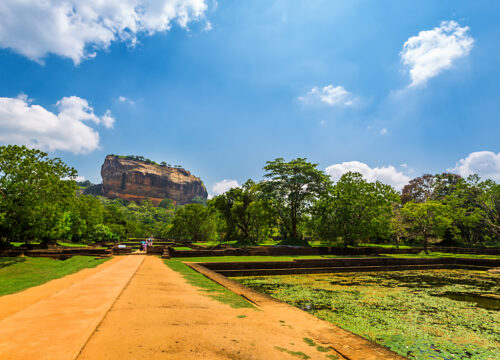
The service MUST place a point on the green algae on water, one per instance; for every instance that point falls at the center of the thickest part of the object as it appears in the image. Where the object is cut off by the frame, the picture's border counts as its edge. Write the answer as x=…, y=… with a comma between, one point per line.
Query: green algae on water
x=420, y=314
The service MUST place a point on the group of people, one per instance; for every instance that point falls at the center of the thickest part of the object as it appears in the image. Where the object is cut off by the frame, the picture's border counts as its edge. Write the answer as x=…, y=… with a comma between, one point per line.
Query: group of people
x=146, y=243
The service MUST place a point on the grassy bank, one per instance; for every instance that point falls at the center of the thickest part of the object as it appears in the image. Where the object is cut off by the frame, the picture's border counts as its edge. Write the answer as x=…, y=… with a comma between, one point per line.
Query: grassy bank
x=291, y=258
x=431, y=255
x=19, y=273
x=426, y=314
x=208, y=286
x=60, y=243
x=249, y=258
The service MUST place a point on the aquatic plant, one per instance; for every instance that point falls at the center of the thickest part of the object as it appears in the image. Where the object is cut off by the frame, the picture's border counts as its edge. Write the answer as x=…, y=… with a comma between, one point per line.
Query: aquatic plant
x=425, y=314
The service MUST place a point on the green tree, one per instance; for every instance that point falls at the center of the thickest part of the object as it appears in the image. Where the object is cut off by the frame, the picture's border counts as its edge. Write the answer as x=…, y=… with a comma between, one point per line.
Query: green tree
x=193, y=222
x=167, y=204
x=475, y=209
x=35, y=194
x=290, y=188
x=398, y=225
x=86, y=212
x=240, y=210
x=427, y=219
x=355, y=209
x=101, y=233
x=199, y=200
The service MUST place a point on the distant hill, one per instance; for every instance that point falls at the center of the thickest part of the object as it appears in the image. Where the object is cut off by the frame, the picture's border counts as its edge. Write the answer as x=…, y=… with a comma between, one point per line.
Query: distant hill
x=136, y=178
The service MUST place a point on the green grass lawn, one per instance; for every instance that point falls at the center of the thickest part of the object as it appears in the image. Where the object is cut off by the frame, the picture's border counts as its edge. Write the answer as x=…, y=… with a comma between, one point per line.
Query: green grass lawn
x=19, y=273
x=68, y=244
x=213, y=243
x=259, y=258
x=17, y=244
x=291, y=258
x=208, y=286
x=182, y=248
x=60, y=243
x=389, y=246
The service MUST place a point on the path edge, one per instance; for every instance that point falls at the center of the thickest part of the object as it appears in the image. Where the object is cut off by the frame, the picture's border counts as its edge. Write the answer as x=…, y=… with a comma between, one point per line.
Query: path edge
x=106, y=312
x=263, y=300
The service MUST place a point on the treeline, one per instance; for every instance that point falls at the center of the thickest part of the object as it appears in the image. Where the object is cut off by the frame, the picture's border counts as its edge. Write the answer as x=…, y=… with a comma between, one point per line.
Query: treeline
x=294, y=204
x=39, y=202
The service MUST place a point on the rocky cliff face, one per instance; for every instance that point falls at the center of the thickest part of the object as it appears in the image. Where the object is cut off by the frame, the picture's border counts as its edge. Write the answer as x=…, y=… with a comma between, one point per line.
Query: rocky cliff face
x=136, y=180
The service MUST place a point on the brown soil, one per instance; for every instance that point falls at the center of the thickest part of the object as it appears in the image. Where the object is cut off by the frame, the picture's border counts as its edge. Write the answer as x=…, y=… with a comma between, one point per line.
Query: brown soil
x=137, y=309
x=58, y=326
x=10, y=304
x=160, y=316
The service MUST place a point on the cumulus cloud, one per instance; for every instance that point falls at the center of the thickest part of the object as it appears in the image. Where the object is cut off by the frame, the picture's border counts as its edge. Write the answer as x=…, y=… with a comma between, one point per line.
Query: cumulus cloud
x=23, y=123
x=486, y=164
x=432, y=51
x=383, y=131
x=222, y=186
x=330, y=95
x=76, y=29
x=387, y=175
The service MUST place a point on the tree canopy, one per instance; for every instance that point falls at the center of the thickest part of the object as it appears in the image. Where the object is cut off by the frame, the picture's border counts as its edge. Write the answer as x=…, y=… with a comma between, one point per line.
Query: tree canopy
x=35, y=194
x=290, y=188
x=355, y=209
x=294, y=203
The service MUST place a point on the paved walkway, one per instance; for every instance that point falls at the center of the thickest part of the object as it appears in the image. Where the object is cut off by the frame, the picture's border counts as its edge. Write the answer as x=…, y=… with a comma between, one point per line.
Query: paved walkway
x=138, y=308
x=58, y=326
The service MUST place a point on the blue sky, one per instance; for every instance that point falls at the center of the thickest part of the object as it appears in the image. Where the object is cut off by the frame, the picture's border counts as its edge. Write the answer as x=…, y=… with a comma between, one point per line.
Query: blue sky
x=221, y=88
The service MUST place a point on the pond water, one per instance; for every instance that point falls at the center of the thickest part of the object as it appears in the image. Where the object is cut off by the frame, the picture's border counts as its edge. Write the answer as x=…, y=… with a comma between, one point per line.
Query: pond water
x=483, y=301
x=420, y=314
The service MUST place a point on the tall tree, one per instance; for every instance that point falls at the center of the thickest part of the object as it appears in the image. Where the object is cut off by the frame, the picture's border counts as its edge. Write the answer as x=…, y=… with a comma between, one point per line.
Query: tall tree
x=290, y=188
x=399, y=227
x=240, y=209
x=193, y=222
x=86, y=212
x=444, y=185
x=355, y=209
x=475, y=206
x=426, y=220
x=419, y=189
x=35, y=193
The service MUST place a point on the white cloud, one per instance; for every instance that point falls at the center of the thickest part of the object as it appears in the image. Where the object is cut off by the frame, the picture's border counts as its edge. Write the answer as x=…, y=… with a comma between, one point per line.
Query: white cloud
x=222, y=186
x=22, y=123
x=76, y=29
x=330, y=95
x=383, y=131
x=486, y=164
x=432, y=51
x=126, y=100
x=387, y=175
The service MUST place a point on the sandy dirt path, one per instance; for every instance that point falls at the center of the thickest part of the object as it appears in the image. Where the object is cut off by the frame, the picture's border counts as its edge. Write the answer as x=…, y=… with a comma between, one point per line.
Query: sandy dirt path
x=57, y=326
x=10, y=304
x=160, y=316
